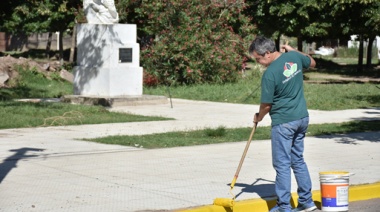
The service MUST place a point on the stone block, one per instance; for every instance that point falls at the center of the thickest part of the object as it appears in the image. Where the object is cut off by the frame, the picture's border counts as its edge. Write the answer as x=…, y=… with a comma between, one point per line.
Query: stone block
x=101, y=69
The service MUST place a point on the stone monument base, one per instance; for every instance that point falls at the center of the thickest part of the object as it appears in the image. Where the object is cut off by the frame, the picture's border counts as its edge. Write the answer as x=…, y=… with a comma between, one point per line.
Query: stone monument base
x=115, y=81
x=115, y=101
x=108, y=61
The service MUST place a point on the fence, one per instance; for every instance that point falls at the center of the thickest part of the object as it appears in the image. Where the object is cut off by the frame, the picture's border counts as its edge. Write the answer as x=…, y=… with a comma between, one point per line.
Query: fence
x=9, y=42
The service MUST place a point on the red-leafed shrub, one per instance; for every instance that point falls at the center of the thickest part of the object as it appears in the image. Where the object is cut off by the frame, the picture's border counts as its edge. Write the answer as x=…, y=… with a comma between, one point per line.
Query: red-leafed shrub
x=149, y=79
x=193, y=41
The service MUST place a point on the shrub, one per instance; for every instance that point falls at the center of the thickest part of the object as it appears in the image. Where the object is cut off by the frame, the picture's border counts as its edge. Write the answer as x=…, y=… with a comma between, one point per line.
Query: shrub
x=195, y=41
x=218, y=132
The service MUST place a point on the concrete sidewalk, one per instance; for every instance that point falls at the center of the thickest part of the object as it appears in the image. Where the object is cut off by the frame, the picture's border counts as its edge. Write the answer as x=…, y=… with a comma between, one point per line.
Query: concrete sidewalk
x=47, y=169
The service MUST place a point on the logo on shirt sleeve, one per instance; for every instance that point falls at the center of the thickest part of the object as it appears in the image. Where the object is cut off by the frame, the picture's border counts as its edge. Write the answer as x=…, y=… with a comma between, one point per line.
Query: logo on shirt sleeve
x=289, y=69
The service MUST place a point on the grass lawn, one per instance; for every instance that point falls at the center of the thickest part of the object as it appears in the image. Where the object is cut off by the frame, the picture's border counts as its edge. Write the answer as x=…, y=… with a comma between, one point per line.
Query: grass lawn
x=331, y=96
x=32, y=84
x=27, y=114
x=221, y=135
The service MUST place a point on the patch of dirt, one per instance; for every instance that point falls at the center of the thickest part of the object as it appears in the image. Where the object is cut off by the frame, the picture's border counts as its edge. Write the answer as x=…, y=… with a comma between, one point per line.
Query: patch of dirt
x=8, y=69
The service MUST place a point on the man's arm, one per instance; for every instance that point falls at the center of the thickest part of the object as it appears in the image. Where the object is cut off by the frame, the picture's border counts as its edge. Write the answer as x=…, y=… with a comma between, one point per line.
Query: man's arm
x=289, y=48
x=264, y=109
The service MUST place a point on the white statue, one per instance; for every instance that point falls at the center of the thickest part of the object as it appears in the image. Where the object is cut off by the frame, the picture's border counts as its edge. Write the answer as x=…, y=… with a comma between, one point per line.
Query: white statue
x=100, y=11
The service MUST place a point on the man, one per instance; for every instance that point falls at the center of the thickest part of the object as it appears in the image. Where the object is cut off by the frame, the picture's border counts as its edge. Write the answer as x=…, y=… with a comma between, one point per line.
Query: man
x=282, y=96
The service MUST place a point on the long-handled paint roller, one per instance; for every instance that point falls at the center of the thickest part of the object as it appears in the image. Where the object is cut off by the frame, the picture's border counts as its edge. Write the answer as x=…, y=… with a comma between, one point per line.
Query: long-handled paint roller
x=227, y=202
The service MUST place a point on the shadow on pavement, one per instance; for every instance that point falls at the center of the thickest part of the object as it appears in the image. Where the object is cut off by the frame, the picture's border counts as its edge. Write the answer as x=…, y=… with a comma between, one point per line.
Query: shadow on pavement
x=11, y=162
x=263, y=190
x=352, y=138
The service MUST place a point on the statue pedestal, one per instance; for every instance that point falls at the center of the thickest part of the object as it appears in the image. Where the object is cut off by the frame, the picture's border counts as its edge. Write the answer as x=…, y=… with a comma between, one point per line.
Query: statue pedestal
x=108, y=61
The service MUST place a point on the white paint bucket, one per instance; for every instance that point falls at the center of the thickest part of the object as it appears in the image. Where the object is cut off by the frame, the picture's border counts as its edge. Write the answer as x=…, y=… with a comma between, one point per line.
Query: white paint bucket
x=334, y=190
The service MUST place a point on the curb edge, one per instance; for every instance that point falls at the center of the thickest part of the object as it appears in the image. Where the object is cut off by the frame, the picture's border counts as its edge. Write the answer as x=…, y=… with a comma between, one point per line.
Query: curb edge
x=356, y=193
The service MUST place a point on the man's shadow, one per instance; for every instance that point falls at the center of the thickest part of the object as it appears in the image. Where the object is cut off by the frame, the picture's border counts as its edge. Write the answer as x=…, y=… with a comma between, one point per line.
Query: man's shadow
x=263, y=190
x=11, y=162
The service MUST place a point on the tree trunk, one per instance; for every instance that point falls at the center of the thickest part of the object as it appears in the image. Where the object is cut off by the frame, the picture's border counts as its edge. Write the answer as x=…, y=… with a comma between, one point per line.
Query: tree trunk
x=48, y=45
x=277, y=42
x=361, y=49
x=369, y=51
x=299, y=43
x=60, y=37
x=73, y=44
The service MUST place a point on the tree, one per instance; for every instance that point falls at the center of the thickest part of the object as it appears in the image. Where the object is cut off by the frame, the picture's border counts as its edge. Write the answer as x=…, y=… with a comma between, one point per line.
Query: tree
x=297, y=18
x=360, y=17
x=373, y=22
x=312, y=20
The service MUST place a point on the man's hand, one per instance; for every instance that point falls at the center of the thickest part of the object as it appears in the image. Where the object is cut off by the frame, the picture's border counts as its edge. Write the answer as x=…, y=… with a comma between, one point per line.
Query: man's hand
x=256, y=118
x=286, y=48
x=264, y=109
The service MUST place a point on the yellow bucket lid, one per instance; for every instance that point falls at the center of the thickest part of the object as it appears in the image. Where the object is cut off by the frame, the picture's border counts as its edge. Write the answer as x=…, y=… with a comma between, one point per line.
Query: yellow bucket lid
x=334, y=173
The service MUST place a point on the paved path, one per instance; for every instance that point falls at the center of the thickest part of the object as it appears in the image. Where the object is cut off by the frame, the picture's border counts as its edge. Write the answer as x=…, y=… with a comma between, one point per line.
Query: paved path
x=47, y=169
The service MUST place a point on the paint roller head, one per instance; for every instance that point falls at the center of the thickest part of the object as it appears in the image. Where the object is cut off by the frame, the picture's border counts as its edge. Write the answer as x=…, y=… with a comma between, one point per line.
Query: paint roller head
x=225, y=202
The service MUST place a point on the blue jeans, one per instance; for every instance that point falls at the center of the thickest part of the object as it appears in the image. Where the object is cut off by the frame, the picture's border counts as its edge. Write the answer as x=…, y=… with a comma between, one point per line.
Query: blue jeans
x=287, y=153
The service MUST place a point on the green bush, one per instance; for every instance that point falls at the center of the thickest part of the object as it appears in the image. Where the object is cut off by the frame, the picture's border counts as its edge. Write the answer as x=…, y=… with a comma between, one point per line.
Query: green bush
x=218, y=132
x=195, y=41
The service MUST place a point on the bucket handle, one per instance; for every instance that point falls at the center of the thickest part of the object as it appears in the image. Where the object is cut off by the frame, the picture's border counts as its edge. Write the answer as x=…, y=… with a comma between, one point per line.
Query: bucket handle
x=344, y=175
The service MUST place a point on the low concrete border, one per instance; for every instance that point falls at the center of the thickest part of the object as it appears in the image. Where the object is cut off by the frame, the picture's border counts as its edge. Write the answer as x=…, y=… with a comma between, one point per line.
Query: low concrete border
x=115, y=100
x=356, y=193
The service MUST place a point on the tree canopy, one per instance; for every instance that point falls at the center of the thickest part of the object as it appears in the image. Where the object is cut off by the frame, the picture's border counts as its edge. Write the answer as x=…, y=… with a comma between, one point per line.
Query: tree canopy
x=31, y=16
x=191, y=41
x=313, y=20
